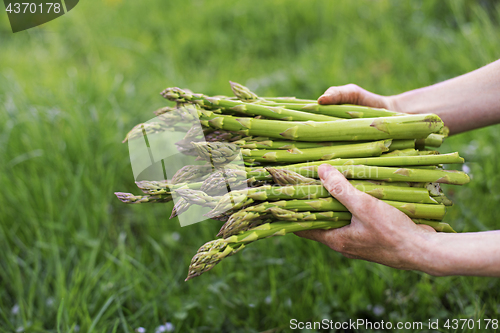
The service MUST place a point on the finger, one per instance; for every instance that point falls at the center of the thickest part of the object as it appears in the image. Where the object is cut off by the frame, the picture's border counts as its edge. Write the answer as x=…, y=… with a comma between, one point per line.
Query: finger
x=316, y=235
x=333, y=238
x=427, y=228
x=340, y=188
x=348, y=94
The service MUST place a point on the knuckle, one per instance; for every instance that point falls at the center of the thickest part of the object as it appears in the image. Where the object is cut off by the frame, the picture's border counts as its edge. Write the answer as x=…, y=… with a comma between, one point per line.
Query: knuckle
x=350, y=93
x=332, y=90
x=352, y=86
x=370, y=204
x=335, y=187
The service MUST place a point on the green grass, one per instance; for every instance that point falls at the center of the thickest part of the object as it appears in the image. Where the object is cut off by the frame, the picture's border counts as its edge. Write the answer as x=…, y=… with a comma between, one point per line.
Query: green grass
x=72, y=255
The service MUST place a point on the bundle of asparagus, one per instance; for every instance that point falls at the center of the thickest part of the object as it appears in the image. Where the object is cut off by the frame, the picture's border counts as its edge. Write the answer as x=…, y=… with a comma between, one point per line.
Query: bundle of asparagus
x=281, y=142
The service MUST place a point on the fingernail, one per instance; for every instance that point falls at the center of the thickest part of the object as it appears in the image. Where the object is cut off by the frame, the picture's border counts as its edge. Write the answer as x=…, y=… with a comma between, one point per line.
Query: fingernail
x=321, y=99
x=324, y=170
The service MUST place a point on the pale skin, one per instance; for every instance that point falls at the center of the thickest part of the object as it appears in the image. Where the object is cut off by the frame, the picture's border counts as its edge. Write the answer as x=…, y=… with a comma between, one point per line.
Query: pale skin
x=381, y=233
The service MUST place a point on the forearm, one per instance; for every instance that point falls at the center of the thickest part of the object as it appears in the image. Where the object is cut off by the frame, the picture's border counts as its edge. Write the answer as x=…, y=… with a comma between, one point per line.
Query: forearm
x=464, y=103
x=474, y=253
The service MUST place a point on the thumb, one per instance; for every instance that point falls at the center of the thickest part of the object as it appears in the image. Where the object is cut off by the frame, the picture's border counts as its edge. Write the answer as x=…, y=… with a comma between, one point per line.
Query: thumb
x=340, y=188
x=348, y=94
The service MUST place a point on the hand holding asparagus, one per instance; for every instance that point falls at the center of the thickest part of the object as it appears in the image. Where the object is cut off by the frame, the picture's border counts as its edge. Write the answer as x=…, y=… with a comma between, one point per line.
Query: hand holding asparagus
x=288, y=146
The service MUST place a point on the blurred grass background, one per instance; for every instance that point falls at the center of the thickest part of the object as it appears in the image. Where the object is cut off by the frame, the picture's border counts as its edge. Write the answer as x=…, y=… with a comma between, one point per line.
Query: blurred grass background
x=73, y=258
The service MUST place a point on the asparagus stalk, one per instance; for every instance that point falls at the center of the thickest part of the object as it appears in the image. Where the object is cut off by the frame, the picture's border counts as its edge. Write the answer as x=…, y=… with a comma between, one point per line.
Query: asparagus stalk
x=217, y=153
x=255, y=215
x=263, y=193
x=390, y=174
x=379, y=168
x=222, y=135
x=182, y=96
x=164, y=109
x=154, y=187
x=402, y=184
x=375, y=148
x=191, y=173
x=286, y=177
x=368, y=129
x=268, y=143
x=213, y=252
x=194, y=172
x=428, y=152
x=341, y=111
x=402, y=144
x=246, y=95
x=433, y=140
x=180, y=207
x=413, y=210
x=166, y=121
x=438, y=226
x=195, y=197
x=227, y=180
x=404, y=174
x=403, y=152
x=289, y=100
x=137, y=199
x=243, y=93
x=144, y=129
x=222, y=153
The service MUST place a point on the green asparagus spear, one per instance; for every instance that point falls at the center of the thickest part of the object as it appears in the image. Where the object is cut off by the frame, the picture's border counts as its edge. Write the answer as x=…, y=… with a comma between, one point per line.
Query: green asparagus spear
x=243, y=93
x=267, y=192
x=252, y=216
x=390, y=174
x=213, y=252
x=137, y=199
x=367, y=129
x=189, y=173
x=375, y=148
x=433, y=140
x=182, y=96
x=341, y=111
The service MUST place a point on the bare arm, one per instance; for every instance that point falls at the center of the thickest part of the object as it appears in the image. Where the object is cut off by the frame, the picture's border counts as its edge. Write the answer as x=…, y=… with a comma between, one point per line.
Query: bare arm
x=464, y=103
x=381, y=233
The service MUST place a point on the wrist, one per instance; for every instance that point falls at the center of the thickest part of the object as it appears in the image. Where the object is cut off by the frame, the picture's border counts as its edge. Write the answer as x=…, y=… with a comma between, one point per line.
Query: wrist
x=424, y=254
x=397, y=103
x=392, y=103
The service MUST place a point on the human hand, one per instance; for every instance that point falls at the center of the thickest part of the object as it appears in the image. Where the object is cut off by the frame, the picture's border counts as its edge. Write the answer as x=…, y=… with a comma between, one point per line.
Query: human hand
x=378, y=232
x=353, y=94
